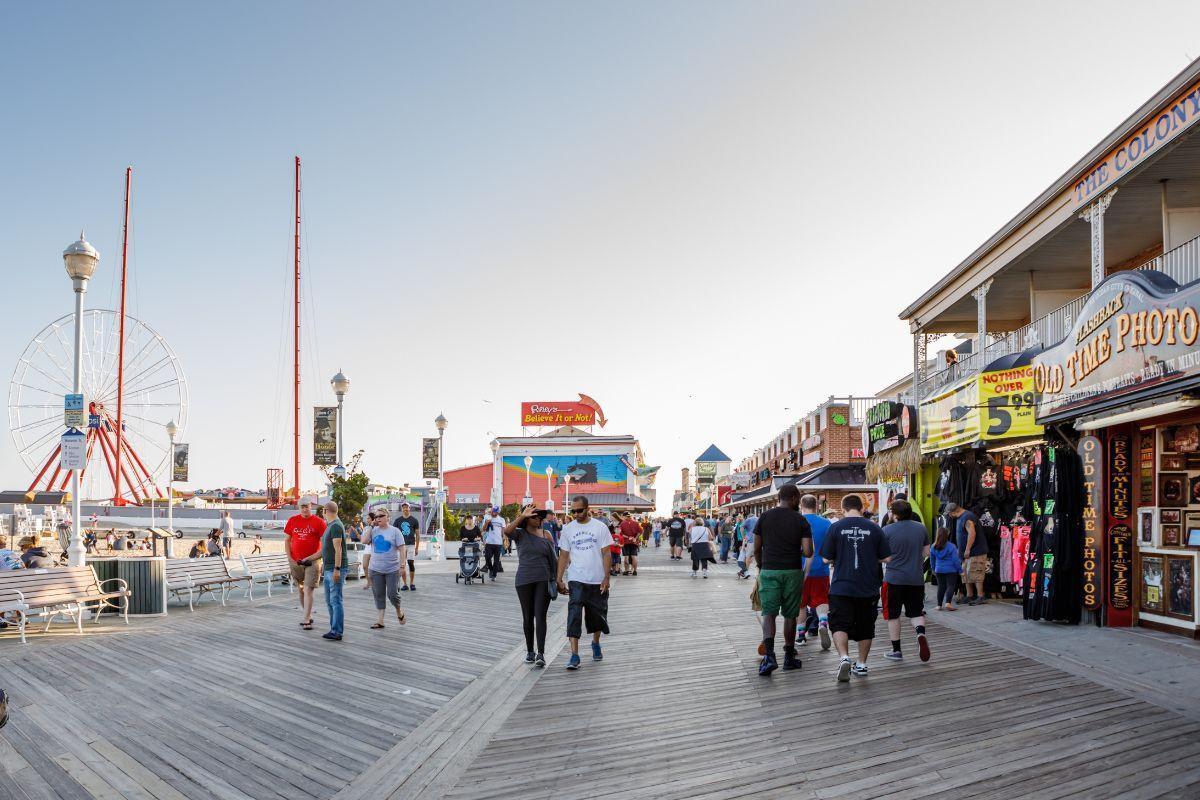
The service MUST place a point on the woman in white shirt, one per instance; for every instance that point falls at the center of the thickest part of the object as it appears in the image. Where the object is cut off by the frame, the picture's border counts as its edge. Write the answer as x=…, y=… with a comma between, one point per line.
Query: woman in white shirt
x=700, y=537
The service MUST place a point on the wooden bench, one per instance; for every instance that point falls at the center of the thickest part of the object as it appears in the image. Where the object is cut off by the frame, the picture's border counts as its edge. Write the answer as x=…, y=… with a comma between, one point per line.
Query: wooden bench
x=197, y=577
x=65, y=591
x=266, y=567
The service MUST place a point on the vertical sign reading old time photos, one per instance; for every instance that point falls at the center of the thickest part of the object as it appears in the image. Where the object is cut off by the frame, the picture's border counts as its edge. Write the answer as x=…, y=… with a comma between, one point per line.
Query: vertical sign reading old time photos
x=1091, y=452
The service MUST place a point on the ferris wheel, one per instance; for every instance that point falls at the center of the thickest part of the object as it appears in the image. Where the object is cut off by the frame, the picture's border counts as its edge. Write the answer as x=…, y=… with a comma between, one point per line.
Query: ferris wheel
x=155, y=392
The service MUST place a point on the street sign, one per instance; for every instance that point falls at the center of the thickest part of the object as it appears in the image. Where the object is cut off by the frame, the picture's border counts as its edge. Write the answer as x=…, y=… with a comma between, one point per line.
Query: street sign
x=74, y=415
x=93, y=420
x=74, y=450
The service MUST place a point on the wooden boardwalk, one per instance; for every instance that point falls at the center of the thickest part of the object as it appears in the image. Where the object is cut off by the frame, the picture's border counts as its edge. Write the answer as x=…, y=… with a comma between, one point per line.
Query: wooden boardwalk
x=240, y=703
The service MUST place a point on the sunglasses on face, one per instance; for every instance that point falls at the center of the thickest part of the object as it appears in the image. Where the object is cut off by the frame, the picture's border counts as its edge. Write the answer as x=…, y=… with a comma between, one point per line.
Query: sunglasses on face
x=578, y=510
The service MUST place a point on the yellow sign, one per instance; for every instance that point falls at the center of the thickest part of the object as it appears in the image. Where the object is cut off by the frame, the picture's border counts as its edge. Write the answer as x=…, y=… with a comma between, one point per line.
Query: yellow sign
x=1009, y=404
x=982, y=408
x=950, y=417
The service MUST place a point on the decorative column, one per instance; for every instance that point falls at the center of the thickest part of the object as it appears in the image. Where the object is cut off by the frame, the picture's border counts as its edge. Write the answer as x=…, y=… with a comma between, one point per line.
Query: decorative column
x=1095, y=216
x=920, y=358
x=980, y=296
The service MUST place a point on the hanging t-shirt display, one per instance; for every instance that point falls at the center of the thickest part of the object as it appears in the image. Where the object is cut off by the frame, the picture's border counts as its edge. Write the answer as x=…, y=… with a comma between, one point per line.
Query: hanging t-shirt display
x=1053, y=586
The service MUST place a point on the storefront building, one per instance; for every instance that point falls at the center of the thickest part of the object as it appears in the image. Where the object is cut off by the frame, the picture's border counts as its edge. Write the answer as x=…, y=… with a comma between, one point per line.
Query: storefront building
x=821, y=453
x=552, y=468
x=1087, y=336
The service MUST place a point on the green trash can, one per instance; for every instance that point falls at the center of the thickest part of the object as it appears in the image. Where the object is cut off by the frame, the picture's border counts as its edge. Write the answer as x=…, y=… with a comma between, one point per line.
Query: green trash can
x=106, y=569
x=147, y=579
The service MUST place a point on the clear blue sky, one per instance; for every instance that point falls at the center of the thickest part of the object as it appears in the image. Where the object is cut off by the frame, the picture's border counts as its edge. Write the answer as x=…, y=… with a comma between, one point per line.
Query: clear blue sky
x=521, y=201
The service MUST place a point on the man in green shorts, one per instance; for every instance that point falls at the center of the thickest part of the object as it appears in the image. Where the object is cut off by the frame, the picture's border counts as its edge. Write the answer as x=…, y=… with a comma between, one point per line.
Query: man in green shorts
x=782, y=540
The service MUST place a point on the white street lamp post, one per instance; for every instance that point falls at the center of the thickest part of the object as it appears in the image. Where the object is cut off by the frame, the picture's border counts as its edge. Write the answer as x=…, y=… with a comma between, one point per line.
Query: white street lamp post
x=549, y=497
x=80, y=260
x=434, y=551
x=495, y=489
x=172, y=429
x=528, y=498
x=567, y=493
x=341, y=386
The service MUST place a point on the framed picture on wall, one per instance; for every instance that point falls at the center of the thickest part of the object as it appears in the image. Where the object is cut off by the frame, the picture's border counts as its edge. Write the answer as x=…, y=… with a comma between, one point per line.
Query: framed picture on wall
x=1172, y=535
x=1146, y=519
x=1172, y=515
x=1174, y=462
x=1152, y=584
x=1180, y=587
x=1172, y=489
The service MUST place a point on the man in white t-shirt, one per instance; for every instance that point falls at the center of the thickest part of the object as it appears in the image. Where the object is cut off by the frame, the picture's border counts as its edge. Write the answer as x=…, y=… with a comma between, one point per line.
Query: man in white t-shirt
x=493, y=541
x=584, y=560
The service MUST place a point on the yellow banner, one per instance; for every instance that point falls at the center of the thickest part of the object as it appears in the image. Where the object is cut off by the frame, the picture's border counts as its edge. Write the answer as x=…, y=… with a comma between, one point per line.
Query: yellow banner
x=1008, y=404
x=982, y=408
x=950, y=417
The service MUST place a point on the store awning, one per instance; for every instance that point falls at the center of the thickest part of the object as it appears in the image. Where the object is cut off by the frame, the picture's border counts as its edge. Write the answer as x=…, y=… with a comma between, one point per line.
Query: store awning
x=835, y=476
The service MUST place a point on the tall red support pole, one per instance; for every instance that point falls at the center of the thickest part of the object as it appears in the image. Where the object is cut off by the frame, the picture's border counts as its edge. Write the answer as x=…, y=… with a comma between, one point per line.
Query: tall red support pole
x=117, y=501
x=296, y=342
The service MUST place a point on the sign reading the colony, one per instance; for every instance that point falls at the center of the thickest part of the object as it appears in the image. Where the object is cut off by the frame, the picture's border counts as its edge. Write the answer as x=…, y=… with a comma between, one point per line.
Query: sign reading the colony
x=1137, y=330
x=1177, y=117
x=990, y=406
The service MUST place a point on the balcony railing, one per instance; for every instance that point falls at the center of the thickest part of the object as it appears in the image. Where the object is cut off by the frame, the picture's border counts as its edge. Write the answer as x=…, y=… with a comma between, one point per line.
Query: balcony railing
x=1181, y=263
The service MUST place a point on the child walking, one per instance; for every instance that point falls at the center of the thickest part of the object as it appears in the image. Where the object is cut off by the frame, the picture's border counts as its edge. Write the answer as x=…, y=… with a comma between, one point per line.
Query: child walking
x=946, y=565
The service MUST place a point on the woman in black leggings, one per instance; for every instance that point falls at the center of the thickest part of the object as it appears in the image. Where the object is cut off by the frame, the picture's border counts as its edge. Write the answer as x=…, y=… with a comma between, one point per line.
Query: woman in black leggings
x=536, y=566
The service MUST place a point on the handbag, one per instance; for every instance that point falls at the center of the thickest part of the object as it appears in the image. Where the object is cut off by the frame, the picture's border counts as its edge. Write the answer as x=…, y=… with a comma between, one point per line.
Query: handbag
x=552, y=584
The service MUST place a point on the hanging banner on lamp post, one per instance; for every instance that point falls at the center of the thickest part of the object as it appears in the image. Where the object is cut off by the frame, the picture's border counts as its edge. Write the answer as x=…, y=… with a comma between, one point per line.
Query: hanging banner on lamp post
x=179, y=463
x=74, y=413
x=325, y=435
x=430, y=462
x=73, y=453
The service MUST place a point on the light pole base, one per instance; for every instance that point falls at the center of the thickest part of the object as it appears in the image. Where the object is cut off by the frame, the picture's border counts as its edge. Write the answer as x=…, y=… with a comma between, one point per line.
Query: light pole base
x=76, y=551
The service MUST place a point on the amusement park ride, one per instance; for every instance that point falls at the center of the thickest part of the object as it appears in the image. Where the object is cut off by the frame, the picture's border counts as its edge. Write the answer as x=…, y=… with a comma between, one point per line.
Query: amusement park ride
x=133, y=383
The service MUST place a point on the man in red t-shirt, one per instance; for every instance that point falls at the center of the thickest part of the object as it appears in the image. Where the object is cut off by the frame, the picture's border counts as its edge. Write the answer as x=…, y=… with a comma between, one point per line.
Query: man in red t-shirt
x=302, y=543
x=631, y=540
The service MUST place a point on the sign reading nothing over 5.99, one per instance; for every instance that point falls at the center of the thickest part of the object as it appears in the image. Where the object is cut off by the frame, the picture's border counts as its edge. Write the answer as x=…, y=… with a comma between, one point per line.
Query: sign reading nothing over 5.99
x=990, y=406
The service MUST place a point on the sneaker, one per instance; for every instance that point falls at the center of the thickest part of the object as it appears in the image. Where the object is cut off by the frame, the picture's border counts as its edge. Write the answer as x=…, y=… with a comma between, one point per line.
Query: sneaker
x=541, y=661
x=801, y=639
x=826, y=639
x=529, y=657
x=705, y=574
x=767, y=665
x=860, y=670
x=843, y=673
x=693, y=574
x=413, y=587
x=981, y=601
x=895, y=655
x=597, y=653
x=790, y=662
x=404, y=587
x=573, y=661
x=331, y=636
x=923, y=645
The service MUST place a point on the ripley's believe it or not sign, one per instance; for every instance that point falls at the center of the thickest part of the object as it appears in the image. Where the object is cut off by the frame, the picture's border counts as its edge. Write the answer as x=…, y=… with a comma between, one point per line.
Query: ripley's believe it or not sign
x=990, y=406
x=1137, y=330
x=584, y=411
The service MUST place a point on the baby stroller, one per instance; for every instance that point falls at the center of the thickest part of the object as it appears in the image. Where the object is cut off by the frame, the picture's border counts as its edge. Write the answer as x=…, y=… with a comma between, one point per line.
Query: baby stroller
x=468, y=563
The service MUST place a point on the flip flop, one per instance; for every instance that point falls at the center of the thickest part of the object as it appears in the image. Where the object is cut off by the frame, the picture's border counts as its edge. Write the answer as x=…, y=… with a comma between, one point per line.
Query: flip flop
x=306, y=626
x=401, y=617
x=376, y=626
